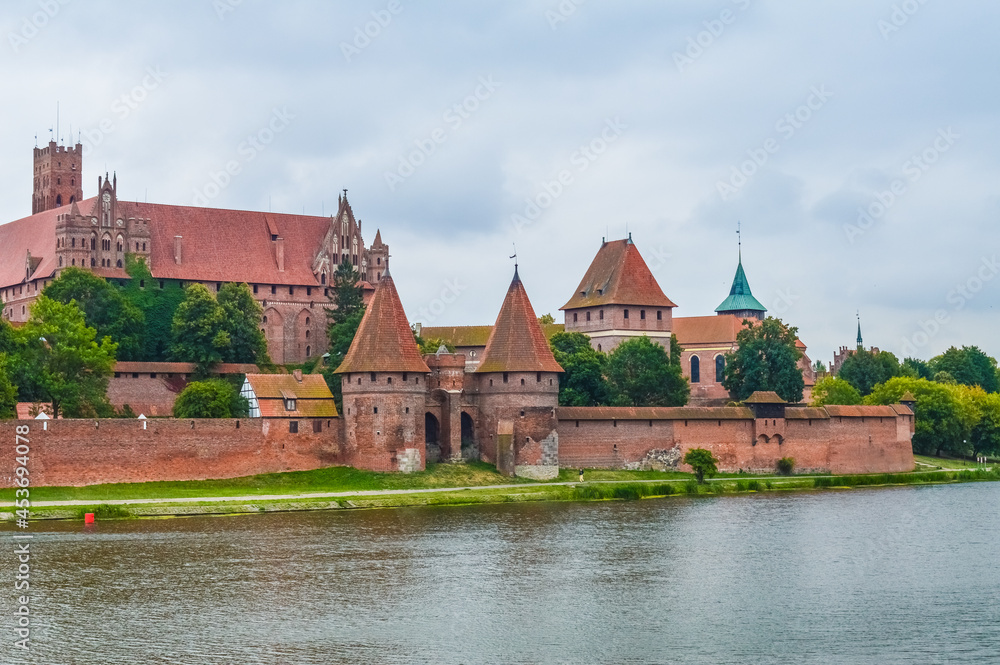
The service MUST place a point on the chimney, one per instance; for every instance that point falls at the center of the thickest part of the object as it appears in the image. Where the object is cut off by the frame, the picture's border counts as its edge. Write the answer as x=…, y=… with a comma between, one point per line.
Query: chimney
x=279, y=253
x=298, y=375
x=177, y=249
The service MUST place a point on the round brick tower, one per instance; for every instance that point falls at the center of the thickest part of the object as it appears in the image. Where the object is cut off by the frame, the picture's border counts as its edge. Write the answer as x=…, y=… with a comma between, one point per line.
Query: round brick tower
x=384, y=384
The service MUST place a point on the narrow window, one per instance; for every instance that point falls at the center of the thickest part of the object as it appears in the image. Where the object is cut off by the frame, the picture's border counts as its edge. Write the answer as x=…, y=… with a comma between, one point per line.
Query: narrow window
x=574, y=317
x=720, y=368
x=274, y=289
x=695, y=369
x=389, y=380
x=538, y=377
x=659, y=315
x=601, y=315
x=588, y=316
x=293, y=426
x=505, y=377
x=255, y=289
x=626, y=313
x=642, y=315
x=373, y=377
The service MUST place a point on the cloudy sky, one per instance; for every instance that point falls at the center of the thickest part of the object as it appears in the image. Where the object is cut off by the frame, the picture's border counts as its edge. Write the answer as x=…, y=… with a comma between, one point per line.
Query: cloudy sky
x=855, y=141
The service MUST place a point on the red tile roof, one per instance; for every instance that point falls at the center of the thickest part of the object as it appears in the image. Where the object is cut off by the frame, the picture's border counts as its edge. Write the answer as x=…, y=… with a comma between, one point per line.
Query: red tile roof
x=695, y=330
x=216, y=245
x=806, y=413
x=384, y=341
x=764, y=397
x=860, y=411
x=313, y=398
x=517, y=343
x=126, y=366
x=618, y=276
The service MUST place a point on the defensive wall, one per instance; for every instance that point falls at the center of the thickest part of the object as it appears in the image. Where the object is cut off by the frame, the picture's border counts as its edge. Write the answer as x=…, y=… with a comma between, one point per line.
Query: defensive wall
x=833, y=439
x=88, y=452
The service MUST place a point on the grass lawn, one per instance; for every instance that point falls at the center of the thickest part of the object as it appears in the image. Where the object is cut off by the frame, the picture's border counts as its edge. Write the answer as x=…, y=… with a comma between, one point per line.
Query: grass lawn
x=945, y=462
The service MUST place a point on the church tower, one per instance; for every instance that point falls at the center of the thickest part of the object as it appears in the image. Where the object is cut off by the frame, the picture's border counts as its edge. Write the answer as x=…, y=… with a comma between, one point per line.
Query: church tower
x=741, y=302
x=58, y=172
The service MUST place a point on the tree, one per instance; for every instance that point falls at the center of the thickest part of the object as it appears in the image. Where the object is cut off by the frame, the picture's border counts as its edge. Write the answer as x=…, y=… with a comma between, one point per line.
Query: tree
x=546, y=319
x=582, y=383
x=819, y=367
x=243, y=316
x=432, y=344
x=766, y=358
x=675, y=350
x=343, y=320
x=199, y=330
x=8, y=393
x=158, y=305
x=702, y=462
x=915, y=368
x=944, y=418
x=785, y=466
x=864, y=370
x=640, y=373
x=969, y=366
x=834, y=390
x=105, y=309
x=212, y=398
x=63, y=362
x=985, y=434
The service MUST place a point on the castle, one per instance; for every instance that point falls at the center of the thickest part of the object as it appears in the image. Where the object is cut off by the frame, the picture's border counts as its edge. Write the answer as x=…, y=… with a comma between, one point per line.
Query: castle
x=496, y=401
x=286, y=259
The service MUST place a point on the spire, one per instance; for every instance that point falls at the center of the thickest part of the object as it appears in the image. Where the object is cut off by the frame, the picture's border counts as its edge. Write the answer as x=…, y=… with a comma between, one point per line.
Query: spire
x=517, y=343
x=384, y=341
x=740, y=298
x=861, y=343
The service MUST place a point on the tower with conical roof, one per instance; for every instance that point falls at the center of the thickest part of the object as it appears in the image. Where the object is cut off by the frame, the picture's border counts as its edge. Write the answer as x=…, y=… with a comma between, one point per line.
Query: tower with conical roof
x=518, y=390
x=740, y=301
x=384, y=382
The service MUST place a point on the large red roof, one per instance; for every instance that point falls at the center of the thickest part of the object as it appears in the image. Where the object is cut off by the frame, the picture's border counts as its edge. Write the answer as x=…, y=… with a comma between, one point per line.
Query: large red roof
x=384, y=341
x=216, y=245
x=517, y=342
x=697, y=330
x=618, y=276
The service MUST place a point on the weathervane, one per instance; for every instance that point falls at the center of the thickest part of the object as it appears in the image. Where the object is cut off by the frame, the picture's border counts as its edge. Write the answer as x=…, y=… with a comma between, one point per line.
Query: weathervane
x=514, y=255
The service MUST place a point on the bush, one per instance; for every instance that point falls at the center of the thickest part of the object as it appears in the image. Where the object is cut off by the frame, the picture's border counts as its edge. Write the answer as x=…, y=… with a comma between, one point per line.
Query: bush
x=753, y=485
x=691, y=487
x=213, y=398
x=786, y=465
x=703, y=463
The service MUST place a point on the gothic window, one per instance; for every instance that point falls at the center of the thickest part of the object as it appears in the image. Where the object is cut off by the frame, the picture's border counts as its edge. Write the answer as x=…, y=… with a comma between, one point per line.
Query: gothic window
x=93, y=263
x=720, y=368
x=144, y=247
x=322, y=278
x=74, y=261
x=308, y=353
x=307, y=334
x=72, y=242
x=59, y=199
x=378, y=261
x=264, y=320
x=93, y=242
x=60, y=262
x=695, y=370
x=307, y=320
x=120, y=244
x=119, y=263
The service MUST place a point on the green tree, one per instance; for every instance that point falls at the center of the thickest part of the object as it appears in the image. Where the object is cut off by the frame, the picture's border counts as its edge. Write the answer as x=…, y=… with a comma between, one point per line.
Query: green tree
x=546, y=319
x=199, y=330
x=343, y=320
x=640, y=373
x=8, y=393
x=915, y=368
x=944, y=418
x=105, y=309
x=702, y=462
x=432, y=344
x=212, y=398
x=864, y=370
x=65, y=363
x=158, y=305
x=969, y=366
x=766, y=358
x=243, y=317
x=675, y=350
x=984, y=436
x=834, y=390
x=582, y=383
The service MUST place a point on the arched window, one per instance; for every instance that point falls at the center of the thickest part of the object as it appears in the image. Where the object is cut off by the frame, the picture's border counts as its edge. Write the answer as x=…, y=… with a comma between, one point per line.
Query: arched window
x=308, y=351
x=720, y=368
x=59, y=200
x=93, y=242
x=695, y=369
x=322, y=278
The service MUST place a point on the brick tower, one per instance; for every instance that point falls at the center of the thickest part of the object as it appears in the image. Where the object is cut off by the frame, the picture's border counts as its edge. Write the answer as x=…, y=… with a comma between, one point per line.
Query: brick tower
x=384, y=385
x=58, y=173
x=619, y=298
x=518, y=390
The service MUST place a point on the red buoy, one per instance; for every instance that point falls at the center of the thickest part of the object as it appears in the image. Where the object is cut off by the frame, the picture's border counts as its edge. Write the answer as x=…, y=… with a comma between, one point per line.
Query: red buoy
x=88, y=518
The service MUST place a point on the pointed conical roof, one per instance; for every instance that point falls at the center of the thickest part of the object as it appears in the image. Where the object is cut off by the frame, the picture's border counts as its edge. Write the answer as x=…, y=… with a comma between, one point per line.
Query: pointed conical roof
x=740, y=298
x=618, y=276
x=384, y=341
x=860, y=341
x=517, y=342
x=378, y=238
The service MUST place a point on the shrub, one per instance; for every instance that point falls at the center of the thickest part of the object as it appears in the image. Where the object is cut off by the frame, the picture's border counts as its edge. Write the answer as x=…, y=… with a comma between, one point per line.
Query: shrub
x=786, y=465
x=753, y=485
x=703, y=463
x=691, y=487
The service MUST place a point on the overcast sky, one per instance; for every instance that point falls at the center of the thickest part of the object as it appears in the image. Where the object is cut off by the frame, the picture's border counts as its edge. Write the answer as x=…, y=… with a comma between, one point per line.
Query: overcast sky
x=461, y=128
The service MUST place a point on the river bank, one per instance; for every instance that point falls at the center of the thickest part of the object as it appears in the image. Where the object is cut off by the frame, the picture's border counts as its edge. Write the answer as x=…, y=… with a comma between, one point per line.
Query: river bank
x=352, y=490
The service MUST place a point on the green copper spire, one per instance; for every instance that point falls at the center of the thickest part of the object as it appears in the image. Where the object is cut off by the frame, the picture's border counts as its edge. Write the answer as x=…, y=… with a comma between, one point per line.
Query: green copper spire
x=741, y=300
x=861, y=344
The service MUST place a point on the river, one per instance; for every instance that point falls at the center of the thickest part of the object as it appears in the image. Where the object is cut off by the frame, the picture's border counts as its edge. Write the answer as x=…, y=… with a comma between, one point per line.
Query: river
x=900, y=575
